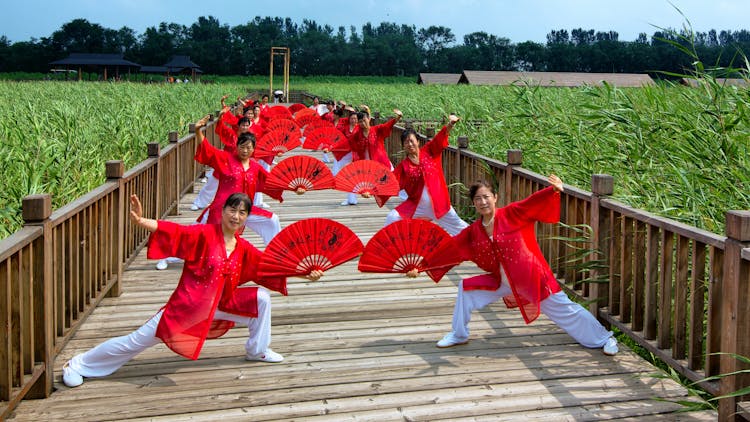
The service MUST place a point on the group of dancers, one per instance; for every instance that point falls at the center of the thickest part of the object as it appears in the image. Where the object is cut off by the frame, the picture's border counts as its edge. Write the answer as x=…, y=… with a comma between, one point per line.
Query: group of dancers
x=210, y=297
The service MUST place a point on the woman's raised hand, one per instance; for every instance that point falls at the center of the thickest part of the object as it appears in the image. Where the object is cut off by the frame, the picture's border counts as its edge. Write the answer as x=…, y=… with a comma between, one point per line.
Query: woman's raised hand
x=453, y=119
x=556, y=183
x=136, y=209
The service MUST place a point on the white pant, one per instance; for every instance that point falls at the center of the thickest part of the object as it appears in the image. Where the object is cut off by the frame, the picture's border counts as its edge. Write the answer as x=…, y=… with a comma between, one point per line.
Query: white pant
x=568, y=315
x=451, y=222
x=208, y=191
x=258, y=199
x=266, y=227
x=109, y=356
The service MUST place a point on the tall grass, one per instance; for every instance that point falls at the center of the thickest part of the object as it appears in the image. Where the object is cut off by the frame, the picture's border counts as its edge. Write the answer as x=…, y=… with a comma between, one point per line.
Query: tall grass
x=676, y=151
x=56, y=136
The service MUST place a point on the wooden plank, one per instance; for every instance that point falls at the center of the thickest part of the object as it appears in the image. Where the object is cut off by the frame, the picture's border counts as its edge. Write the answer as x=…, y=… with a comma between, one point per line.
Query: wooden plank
x=6, y=344
x=652, y=282
x=713, y=319
x=626, y=270
x=679, y=350
x=666, y=291
x=639, y=269
x=697, y=306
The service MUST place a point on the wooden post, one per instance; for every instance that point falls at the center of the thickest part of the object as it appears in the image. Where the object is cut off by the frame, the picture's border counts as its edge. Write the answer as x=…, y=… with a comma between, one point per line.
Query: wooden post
x=457, y=200
x=114, y=171
x=36, y=210
x=515, y=158
x=735, y=317
x=154, y=151
x=429, y=132
x=172, y=138
x=462, y=141
x=602, y=185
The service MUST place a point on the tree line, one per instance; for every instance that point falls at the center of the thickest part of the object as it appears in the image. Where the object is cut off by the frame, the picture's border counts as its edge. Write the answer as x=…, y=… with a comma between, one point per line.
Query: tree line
x=387, y=49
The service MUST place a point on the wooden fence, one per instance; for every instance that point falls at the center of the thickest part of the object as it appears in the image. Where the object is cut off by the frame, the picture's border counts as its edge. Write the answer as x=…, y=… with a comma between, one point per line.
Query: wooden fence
x=58, y=267
x=678, y=291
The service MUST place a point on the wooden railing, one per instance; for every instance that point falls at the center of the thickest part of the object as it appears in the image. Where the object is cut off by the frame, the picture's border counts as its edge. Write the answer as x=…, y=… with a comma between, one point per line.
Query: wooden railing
x=61, y=264
x=678, y=291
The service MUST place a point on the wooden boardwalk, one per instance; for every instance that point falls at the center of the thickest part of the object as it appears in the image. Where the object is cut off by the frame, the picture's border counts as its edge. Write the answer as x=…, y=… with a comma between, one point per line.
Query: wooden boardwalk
x=357, y=347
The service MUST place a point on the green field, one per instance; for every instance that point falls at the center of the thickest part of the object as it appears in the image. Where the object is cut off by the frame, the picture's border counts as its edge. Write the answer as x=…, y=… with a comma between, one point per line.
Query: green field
x=676, y=151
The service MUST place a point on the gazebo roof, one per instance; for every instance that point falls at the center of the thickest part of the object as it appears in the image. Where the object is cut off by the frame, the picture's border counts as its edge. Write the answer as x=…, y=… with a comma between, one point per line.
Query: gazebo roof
x=438, y=78
x=94, y=59
x=180, y=63
x=556, y=79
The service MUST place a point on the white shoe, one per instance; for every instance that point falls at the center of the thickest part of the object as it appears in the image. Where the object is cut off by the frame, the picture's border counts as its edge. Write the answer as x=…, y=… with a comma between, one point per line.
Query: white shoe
x=162, y=264
x=194, y=207
x=203, y=180
x=449, y=341
x=346, y=202
x=610, y=347
x=268, y=356
x=70, y=377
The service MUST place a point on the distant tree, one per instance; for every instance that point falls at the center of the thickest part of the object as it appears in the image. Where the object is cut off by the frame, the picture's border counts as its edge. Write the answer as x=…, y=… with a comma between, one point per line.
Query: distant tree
x=79, y=36
x=210, y=45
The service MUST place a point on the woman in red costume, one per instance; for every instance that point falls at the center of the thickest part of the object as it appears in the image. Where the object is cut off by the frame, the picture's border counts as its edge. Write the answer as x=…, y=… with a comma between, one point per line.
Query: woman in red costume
x=208, y=299
x=420, y=175
x=502, y=241
x=237, y=172
x=368, y=143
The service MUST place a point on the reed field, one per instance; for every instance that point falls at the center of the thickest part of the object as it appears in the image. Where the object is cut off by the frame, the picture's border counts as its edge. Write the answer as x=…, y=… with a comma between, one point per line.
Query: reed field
x=56, y=136
x=675, y=151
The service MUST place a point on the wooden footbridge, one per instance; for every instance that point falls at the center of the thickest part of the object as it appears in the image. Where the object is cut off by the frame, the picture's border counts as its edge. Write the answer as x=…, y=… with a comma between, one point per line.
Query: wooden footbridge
x=357, y=346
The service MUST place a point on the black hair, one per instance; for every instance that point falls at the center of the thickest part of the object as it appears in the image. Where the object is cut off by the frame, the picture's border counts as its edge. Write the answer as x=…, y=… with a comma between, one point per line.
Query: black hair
x=245, y=138
x=264, y=96
x=243, y=120
x=405, y=135
x=480, y=184
x=238, y=198
x=360, y=115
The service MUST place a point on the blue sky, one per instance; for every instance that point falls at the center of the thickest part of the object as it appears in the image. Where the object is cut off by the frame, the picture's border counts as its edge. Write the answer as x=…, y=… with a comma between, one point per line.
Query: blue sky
x=517, y=20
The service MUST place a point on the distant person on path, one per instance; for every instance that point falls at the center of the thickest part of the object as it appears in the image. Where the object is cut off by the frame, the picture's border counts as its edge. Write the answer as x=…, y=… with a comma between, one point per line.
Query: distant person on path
x=502, y=241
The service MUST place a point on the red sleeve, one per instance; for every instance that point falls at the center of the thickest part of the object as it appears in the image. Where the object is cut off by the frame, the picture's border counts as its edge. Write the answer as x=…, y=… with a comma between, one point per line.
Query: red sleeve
x=276, y=194
x=398, y=172
x=230, y=119
x=384, y=129
x=172, y=239
x=226, y=135
x=463, y=243
x=211, y=156
x=249, y=272
x=543, y=205
x=437, y=144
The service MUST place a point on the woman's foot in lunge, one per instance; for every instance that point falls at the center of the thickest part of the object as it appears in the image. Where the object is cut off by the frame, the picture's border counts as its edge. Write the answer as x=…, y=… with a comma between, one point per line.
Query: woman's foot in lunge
x=268, y=356
x=70, y=377
x=610, y=347
x=449, y=340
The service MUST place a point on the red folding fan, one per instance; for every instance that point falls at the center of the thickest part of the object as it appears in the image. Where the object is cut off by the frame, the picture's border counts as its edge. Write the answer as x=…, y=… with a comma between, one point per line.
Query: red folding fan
x=297, y=107
x=300, y=171
x=307, y=118
x=322, y=138
x=368, y=177
x=276, y=142
x=307, y=245
x=410, y=244
x=318, y=124
x=275, y=112
x=286, y=125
